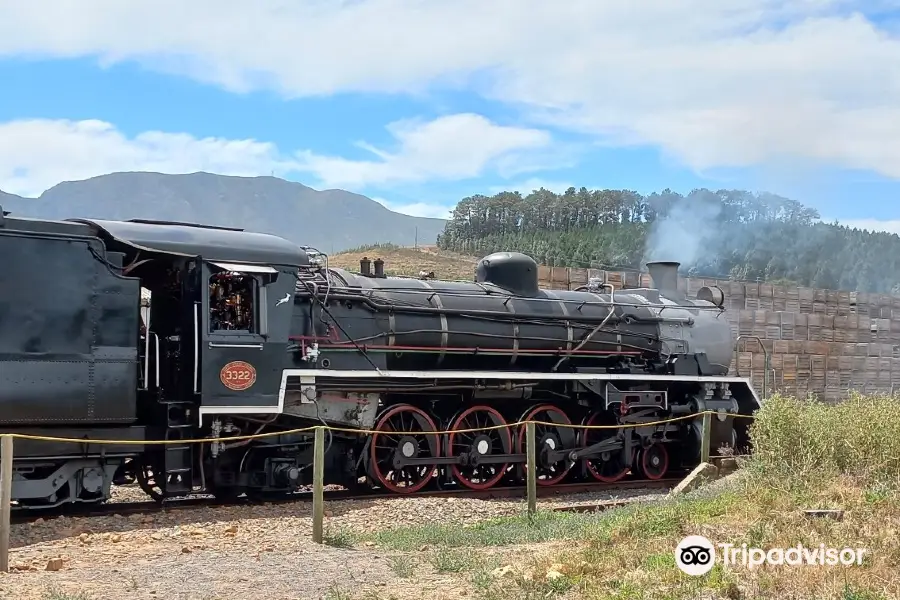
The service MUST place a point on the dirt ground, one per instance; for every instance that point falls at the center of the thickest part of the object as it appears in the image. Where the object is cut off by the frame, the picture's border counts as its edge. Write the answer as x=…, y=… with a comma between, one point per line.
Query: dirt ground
x=250, y=553
x=191, y=569
x=305, y=571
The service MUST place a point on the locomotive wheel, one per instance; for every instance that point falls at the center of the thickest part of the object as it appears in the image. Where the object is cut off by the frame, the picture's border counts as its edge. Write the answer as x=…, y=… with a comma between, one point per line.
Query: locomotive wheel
x=607, y=467
x=147, y=481
x=653, y=461
x=550, y=437
x=479, y=443
x=400, y=434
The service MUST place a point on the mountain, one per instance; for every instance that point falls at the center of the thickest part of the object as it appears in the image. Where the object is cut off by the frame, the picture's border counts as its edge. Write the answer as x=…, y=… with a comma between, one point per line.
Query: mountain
x=330, y=220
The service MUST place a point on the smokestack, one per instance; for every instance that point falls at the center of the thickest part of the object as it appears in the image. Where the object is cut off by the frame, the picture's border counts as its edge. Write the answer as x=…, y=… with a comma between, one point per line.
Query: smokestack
x=364, y=265
x=664, y=275
x=379, y=268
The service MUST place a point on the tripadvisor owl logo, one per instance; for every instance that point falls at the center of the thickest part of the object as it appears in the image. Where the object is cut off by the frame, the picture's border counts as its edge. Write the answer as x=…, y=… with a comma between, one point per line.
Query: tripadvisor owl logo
x=695, y=555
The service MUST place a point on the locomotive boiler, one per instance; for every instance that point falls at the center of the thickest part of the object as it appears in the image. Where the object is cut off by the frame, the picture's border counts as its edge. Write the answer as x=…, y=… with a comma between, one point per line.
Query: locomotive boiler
x=140, y=331
x=503, y=320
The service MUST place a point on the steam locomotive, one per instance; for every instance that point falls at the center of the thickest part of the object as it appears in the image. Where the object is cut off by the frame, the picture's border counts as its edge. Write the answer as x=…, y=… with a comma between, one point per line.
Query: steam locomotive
x=139, y=331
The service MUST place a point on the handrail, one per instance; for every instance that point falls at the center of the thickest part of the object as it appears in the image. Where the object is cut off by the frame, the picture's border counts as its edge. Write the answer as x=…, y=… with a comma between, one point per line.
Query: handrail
x=737, y=368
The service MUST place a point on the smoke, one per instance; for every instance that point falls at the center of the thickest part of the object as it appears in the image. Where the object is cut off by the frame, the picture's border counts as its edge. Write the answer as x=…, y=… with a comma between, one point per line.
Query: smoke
x=688, y=231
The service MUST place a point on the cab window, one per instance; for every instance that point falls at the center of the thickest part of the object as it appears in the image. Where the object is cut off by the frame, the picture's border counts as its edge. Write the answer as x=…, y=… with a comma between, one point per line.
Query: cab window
x=233, y=301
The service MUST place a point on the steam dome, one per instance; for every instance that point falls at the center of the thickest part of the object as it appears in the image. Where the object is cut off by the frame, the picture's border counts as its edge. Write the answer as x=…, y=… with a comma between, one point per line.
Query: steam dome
x=514, y=272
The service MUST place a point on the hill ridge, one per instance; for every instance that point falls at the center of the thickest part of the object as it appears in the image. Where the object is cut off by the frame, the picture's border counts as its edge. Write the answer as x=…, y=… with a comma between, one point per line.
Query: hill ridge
x=331, y=220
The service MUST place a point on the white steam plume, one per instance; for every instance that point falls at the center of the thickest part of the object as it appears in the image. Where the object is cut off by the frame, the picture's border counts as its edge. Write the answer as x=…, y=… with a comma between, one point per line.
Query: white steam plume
x=687, y=232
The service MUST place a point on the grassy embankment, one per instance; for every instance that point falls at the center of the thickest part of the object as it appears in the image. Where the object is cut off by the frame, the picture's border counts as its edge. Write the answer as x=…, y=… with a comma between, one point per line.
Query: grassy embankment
x=408, y=262
x=808, y=456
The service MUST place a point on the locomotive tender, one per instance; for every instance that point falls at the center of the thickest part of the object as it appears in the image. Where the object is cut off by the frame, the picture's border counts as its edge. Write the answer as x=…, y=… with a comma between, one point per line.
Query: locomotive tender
x=244, y=333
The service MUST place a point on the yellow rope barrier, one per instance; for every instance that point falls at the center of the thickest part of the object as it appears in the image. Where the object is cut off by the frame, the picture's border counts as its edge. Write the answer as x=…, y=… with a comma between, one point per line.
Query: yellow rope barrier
x=257, y=436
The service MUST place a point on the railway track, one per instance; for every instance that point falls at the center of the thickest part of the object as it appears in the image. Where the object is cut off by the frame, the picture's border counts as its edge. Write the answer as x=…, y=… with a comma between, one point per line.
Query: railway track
x=151, y=507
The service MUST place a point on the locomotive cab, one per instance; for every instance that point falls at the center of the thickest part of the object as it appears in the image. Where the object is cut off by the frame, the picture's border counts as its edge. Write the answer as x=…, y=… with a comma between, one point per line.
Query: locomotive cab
x=215, y=334
x=217, y=296
x=244, y=317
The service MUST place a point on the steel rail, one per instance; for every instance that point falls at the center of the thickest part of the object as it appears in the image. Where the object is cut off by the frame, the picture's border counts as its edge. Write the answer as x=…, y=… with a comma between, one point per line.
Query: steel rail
x=177, y=504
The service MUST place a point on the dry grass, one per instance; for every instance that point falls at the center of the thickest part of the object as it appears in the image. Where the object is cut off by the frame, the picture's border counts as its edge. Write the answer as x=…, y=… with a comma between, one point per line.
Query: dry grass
x=809, y=456
x=409, y=262
x=632, y=557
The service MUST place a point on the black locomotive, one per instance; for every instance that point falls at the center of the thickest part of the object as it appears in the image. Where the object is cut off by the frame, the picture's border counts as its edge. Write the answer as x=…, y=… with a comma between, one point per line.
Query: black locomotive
x=142, y=331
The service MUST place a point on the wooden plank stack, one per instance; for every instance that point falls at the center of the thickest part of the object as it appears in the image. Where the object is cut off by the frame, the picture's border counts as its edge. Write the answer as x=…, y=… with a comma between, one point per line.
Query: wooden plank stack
x=820, y=342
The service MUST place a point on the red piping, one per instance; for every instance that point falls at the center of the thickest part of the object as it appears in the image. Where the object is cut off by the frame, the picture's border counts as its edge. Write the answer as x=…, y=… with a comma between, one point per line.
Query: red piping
x=509, y=350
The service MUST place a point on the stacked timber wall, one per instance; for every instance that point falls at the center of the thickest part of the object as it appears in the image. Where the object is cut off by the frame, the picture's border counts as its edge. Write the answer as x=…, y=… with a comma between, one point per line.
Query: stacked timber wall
x=820, y=342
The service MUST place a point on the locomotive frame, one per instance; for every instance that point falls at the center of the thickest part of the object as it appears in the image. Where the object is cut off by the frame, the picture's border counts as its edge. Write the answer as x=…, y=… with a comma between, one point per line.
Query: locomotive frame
x=246, y=333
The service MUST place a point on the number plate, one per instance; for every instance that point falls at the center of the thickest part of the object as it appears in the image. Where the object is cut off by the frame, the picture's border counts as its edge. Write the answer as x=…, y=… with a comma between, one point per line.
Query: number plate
x=238, y=375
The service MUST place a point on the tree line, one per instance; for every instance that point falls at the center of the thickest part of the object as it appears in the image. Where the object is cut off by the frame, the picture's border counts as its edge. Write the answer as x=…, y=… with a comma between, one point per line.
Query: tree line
x=729, y=234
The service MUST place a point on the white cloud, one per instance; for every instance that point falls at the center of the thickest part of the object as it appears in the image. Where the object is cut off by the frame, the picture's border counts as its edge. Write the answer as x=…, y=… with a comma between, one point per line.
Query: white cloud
x=452, y=147
x=712, y=83
x=418, y=209
x=37, y=154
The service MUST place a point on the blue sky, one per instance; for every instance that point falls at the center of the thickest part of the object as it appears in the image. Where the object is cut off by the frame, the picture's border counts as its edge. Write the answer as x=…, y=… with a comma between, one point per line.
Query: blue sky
x=418, y=103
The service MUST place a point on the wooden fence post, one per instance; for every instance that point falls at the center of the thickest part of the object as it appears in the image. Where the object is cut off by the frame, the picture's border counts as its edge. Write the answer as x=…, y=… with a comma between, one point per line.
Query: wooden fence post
x=318, y=487
x=6, y=464
x=705, y=437
x=531, y=467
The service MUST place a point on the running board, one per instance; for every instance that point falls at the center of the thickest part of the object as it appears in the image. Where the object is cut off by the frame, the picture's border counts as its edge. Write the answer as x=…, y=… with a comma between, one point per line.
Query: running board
x=306, y=378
